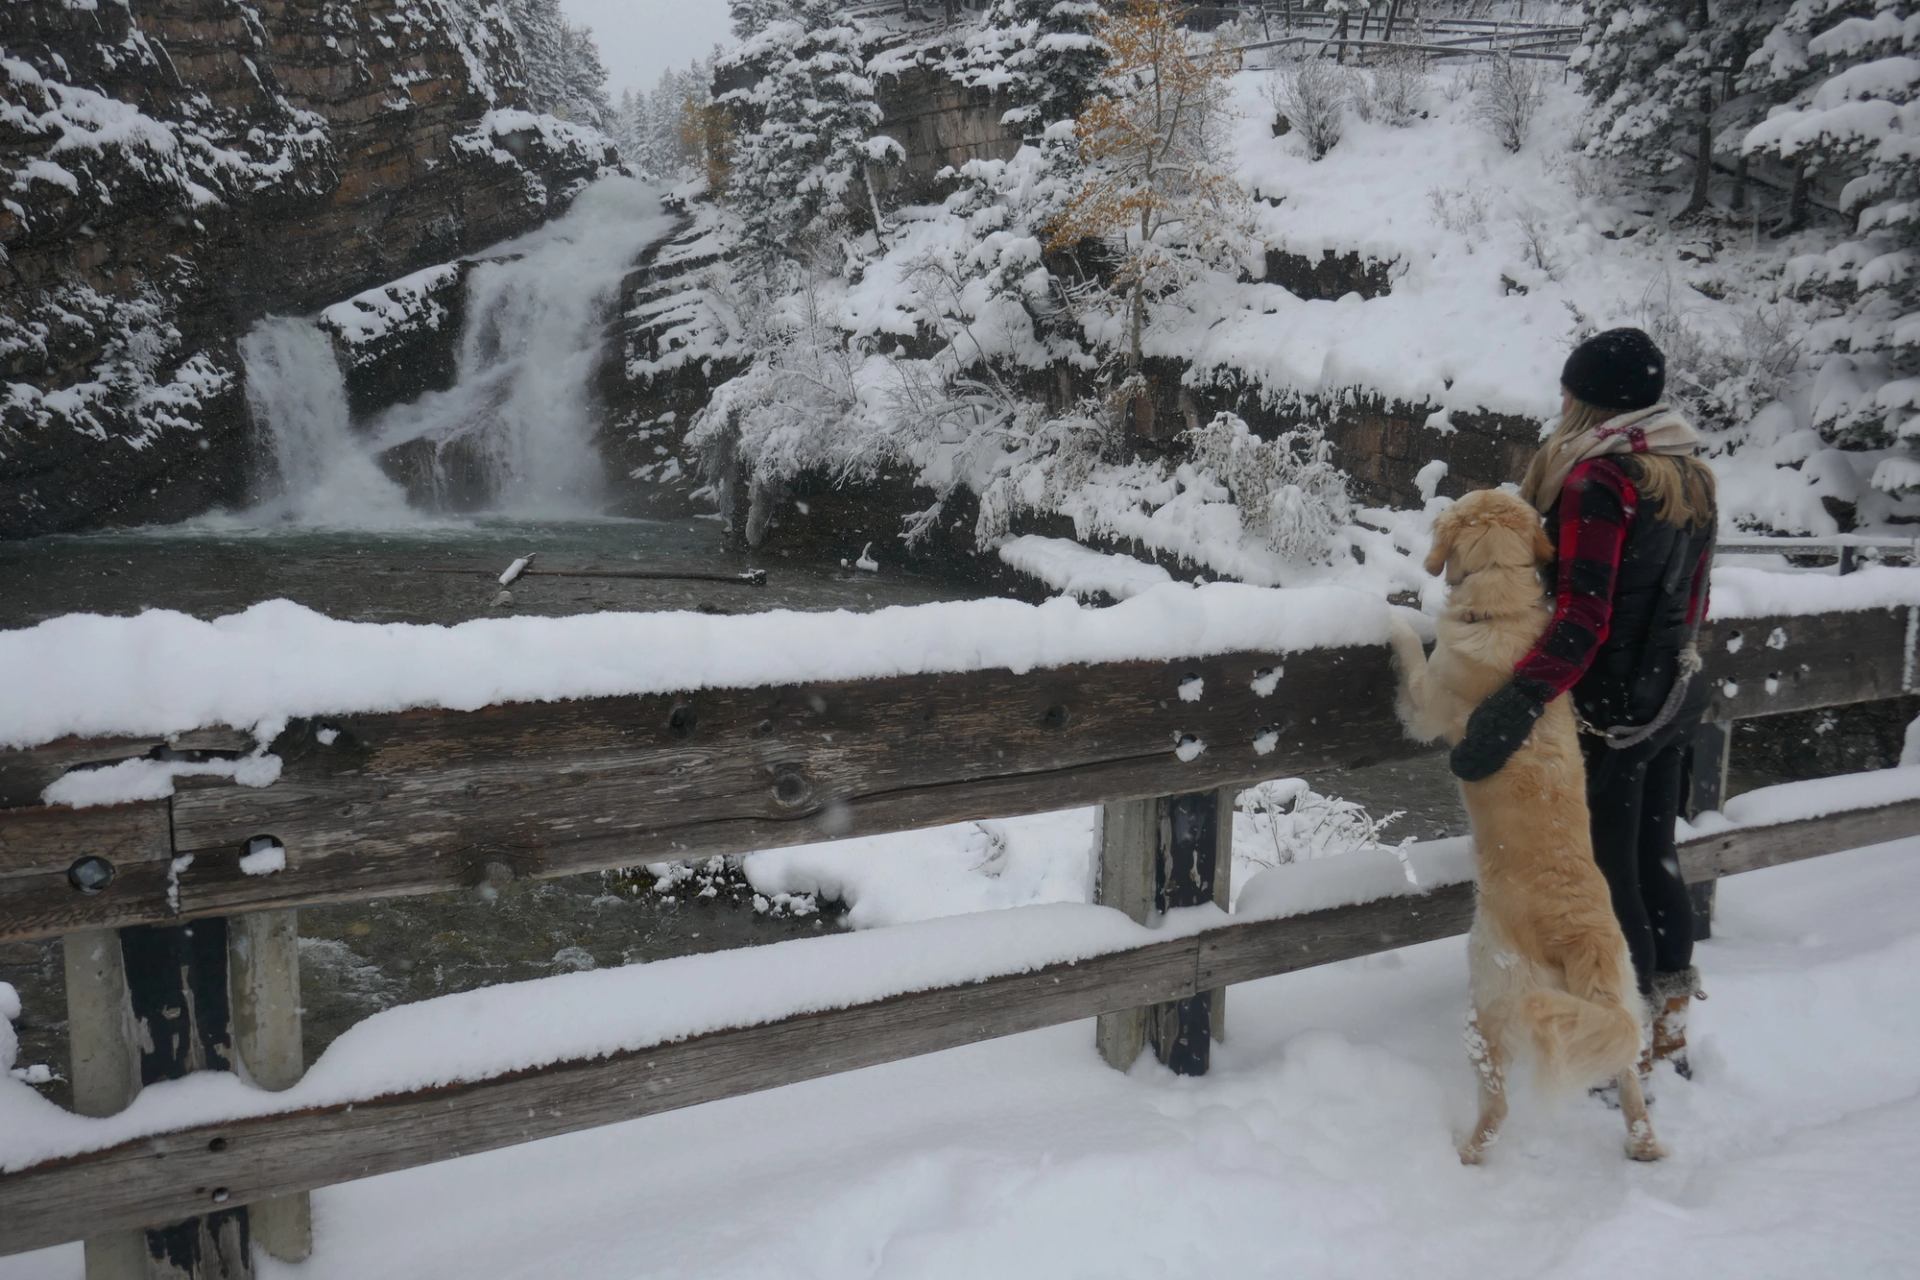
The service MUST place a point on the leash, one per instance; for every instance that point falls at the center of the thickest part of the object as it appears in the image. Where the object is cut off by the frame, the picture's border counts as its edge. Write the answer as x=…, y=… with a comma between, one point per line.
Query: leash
x=1622, y=736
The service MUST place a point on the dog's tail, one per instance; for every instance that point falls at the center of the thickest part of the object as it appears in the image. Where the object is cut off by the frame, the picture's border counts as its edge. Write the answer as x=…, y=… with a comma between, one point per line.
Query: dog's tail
x=1589, y=1033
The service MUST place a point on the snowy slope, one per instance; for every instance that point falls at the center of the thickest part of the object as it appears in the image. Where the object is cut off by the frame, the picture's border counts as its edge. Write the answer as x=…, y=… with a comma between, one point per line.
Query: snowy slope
x=1319, y=1146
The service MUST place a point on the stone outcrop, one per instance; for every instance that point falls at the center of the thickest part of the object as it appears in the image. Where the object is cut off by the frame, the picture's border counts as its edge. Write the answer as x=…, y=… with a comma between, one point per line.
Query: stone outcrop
x=172, y=173
x=676, y=337
x=940, y=123
x=400, y=340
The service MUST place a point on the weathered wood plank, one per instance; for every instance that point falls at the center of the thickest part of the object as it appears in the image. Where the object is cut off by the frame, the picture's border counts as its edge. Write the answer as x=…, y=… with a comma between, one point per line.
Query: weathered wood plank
x=263, y=964
x=25, y=774
x=104, y=1066
x=167, y=1176
x=177, y=985
x=182, y=1173
x=1127, y=841
x=423, y=801
x=1261, y=949
x=133, y=851
x=1195, y=838
x=1765, y=666
x=1709, y=752
x=1755, y=848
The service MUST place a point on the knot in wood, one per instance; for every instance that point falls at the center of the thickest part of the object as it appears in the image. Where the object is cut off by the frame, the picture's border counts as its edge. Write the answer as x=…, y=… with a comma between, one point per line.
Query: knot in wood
x=682, y=719
x=791, y=788
x=1056, y=716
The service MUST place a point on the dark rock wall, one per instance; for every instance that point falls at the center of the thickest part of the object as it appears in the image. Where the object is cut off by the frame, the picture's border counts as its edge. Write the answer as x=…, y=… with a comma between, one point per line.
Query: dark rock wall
x=172, y=173
x=939, y=123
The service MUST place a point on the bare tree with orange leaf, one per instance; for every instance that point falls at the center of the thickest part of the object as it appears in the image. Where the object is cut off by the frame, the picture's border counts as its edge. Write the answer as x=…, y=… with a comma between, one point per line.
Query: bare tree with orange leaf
x=1156, y=187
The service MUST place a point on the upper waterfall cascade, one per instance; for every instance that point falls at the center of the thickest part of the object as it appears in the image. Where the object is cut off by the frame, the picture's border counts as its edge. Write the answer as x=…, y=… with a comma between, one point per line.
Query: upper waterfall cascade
x=514, y=434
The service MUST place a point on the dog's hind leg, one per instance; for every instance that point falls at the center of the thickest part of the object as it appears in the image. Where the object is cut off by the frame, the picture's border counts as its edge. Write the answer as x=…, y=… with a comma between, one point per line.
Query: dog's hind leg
x=1485, y=1048
x=1641, y=1144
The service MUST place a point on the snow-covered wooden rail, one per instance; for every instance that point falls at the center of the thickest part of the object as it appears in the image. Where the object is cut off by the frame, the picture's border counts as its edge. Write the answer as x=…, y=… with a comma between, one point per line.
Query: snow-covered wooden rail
x=416, y=801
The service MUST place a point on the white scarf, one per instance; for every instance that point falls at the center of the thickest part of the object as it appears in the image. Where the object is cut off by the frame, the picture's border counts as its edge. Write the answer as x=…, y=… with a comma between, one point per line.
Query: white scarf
x=1655, y=430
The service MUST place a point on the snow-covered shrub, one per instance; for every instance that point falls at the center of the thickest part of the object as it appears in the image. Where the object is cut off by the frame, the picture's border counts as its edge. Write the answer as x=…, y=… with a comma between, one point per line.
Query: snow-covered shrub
x=1536, y=238
x=1509, y=96
x=1394, y=91
x=1045, y=460
x=1727, y=376
x=1462, y=211
x=1287, y=488
x=1286, y=821
x=1311, y=97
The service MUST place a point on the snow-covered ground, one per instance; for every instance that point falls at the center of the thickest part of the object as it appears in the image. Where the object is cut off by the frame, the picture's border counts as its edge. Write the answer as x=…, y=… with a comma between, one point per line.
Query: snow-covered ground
x=1320, y=1145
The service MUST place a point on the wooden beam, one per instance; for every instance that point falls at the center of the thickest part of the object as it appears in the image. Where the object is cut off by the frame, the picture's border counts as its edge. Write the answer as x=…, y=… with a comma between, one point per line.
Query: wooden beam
x=177, y=982
x=423, y=801
x=1765, y=666
x=172, y=1175
x=44, y=889
x=1126, y=841
x=1756, y=848
x=1195, y=837
x=104, y=1066
x=263, y=964
x=1709, y=752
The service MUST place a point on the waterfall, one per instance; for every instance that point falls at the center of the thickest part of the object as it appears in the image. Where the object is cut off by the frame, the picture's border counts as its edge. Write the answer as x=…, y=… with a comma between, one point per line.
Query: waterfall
x=315, y=470
x=516, y=432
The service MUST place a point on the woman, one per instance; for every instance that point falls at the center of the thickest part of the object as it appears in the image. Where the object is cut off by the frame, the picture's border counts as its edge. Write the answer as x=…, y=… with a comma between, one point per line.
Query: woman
x=1633, y=514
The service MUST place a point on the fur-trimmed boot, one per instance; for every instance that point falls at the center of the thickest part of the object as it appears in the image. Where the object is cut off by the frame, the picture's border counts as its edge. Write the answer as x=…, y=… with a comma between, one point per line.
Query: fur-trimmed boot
x=1673, y=995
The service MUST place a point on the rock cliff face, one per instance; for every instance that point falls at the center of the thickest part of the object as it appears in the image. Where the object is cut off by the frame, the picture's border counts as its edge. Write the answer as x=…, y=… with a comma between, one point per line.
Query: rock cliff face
x=170, y=174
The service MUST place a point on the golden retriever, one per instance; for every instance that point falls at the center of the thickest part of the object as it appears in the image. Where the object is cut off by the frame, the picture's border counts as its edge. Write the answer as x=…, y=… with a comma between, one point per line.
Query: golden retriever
x=1548, y=964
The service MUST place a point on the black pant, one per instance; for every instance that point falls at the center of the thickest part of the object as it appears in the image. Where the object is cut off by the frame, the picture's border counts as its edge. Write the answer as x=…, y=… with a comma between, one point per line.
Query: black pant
x=1634, y=796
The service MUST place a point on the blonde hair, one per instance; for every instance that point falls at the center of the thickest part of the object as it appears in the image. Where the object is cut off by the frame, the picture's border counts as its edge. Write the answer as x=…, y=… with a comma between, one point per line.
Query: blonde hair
x=1678, y=490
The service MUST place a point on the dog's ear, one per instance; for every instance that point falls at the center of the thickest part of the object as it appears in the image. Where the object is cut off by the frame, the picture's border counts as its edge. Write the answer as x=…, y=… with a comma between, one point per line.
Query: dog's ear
x=1544, y=552
x=1446, y=530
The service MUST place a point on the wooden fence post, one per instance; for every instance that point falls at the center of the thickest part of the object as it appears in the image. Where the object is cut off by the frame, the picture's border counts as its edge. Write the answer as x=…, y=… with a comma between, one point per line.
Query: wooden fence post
x=264, y=978
x=1156, y=855
x=1708, y=753
x=1127, y=841
x=105, y=1069
x=177, y=982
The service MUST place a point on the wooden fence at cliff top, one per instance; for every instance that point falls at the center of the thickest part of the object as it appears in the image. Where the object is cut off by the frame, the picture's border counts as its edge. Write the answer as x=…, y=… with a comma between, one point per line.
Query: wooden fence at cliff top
x=178, y=960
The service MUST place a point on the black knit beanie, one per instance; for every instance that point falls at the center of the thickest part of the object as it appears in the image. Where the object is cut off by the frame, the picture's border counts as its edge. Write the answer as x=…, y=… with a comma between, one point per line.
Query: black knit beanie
x=1620, y=369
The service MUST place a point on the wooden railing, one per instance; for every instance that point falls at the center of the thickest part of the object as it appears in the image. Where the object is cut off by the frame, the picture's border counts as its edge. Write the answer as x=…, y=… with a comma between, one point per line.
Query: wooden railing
x=178, y=960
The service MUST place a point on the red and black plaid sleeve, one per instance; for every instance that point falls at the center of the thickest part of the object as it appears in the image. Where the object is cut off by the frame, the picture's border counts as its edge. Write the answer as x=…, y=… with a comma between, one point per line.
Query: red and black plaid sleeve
x=1596, y=506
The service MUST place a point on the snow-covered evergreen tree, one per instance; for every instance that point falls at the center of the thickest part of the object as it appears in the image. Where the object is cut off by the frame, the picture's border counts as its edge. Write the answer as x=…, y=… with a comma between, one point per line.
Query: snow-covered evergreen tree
x=1041, y=55
x=1655, y=72
x=806, y=130
x=1042, y=58
x=540, y=29
x=583, y=82
x=1858, y=118
x=751, y=17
